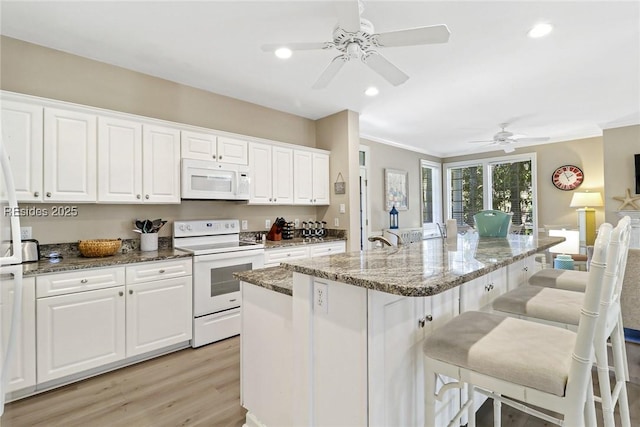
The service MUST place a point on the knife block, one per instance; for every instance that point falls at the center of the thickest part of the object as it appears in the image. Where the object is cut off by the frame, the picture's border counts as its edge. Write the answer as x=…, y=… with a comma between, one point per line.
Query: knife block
x=275, y=234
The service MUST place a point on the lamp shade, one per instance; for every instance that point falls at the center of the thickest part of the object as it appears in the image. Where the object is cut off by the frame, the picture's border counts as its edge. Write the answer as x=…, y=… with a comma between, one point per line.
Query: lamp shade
x=586, y=199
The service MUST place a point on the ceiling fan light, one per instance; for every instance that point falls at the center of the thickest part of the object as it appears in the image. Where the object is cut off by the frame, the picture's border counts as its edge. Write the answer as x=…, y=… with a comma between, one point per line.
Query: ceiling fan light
x=283, y=53
x=540, y=30
x=371, y=91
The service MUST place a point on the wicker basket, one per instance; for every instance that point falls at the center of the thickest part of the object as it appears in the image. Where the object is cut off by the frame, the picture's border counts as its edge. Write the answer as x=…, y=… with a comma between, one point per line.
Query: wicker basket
x=99, y=247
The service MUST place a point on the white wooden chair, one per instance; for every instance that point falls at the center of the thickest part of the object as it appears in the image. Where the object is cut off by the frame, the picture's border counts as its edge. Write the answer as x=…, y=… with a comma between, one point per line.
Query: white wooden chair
x=518, y=362
x=561, y=307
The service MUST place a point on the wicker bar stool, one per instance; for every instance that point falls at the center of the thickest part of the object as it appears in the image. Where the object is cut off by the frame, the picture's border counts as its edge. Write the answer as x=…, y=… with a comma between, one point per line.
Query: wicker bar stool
x=561, y=307
x=518, y=362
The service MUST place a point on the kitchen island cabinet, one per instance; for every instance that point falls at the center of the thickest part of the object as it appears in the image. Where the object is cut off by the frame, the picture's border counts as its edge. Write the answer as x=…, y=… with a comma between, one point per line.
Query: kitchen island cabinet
x=357, y=325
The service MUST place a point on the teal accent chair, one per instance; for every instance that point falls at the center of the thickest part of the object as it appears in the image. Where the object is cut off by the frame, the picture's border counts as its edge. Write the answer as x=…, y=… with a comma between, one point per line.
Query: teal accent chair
x=492, y=223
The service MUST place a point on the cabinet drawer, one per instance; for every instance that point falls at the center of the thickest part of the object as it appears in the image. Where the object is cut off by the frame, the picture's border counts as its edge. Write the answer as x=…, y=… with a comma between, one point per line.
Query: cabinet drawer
x=78, y=281
x=149, y=271
x=326, y=249
x=279, y=255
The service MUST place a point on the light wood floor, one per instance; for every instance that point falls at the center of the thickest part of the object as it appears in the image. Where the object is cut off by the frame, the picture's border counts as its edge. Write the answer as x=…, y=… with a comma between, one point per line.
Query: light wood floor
x=195, y=387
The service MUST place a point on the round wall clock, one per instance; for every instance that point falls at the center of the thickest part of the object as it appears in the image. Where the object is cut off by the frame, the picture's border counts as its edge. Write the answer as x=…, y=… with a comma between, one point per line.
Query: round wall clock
x=567, y=177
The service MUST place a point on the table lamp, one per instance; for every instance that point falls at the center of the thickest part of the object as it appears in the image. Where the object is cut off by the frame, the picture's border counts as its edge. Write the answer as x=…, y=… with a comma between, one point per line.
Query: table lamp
x=586, y=216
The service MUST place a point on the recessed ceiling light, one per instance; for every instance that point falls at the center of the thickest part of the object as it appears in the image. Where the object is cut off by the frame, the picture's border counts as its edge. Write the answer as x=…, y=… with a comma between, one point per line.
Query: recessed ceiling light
x=540, y=30
x=283, y=53
x=371, y=91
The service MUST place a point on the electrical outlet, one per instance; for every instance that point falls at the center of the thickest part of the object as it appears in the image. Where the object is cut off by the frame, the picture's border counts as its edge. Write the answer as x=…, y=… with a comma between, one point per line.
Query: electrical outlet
x=336, y=222
x=296, y=223
x=321, y=297
x=25, y=233
x=342, y=208
x=245, y=224
x=267, y=223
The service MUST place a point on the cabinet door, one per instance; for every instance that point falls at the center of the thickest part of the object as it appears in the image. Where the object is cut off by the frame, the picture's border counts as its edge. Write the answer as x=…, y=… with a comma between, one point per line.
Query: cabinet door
x=159, y=314
x=22, y=137
x=519, y=272
x=282, y=173
x=302, y=177
x=261, y=173
x=79, y=331
x=69, y=156
x=119, y=161
x=23, y=369
x=320, y=179
x=161, y=164
x=231, y=150
x=197, y=145
x=480, y=292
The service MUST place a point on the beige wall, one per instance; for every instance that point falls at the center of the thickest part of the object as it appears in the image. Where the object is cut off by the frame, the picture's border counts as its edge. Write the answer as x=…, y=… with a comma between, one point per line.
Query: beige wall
x=383, y=157
x=339, y=133
x=36, y=70
x=620, y=144
x=553, y=207
x=40, y=71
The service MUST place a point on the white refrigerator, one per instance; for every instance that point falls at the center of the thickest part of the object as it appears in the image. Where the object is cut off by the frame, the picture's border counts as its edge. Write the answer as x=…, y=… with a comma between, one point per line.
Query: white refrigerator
x=10, y=271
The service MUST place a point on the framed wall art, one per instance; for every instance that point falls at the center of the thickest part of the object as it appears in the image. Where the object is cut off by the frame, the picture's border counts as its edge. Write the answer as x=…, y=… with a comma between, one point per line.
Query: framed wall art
x=395, y=189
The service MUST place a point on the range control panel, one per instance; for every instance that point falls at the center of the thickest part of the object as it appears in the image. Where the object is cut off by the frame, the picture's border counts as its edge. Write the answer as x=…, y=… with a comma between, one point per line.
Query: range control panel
x=205, y=227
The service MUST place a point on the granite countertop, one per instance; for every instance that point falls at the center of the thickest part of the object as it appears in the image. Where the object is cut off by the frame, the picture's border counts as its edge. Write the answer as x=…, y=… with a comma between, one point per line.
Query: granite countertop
x=276, y=279
x=423, y=268
x=269, y=244
x=68, y=263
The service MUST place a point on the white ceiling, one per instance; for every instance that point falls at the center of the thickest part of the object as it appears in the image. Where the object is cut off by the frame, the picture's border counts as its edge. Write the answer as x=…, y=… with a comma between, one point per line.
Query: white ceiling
x=582, y=78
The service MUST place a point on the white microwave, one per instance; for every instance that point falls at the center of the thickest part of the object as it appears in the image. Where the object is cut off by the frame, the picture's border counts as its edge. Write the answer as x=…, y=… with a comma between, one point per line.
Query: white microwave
x=203, y=179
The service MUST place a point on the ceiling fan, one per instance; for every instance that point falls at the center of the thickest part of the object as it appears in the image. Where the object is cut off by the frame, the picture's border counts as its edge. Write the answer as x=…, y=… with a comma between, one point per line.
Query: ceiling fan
x=354, y=38
x=505, y=139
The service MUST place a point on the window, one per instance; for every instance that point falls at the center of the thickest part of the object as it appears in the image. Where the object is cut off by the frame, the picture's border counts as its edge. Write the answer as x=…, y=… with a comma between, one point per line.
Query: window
x=466, y=196
x=430, y=173
x=504, y=183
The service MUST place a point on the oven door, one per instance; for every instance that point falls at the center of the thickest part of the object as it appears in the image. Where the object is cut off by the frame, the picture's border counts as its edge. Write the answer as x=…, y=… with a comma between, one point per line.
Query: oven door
x=214, y=287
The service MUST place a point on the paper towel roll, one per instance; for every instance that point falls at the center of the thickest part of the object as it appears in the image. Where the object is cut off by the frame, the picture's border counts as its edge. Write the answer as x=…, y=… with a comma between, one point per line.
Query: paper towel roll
x=452, y=227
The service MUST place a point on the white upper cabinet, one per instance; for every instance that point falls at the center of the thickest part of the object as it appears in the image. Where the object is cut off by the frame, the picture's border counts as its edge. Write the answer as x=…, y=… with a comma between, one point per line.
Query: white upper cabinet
x=161, y=164
x=311, y=178
x=272, y=174
x=198, y=145
x=69, y=156
x=22, y=136
x=119, y=161
x=137, y=163
x=231, y=150
x=208, y=146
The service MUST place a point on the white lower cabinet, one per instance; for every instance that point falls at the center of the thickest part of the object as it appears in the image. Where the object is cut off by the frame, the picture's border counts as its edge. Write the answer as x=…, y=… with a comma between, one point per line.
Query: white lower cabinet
x=396, y=374
x=273, y=257
x=85, y=328
x=480, y=292
x=23, y=369
x=158, y=314
x=79, y=331
x=519, y=272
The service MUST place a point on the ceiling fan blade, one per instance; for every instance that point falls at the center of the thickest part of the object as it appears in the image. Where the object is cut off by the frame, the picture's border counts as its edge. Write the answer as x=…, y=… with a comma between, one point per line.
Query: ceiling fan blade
x=349, y=15
x=386, y=69
x=330, y=72
x=538, y=139
x=413, y=36
x=272, y=47
x=478, y=142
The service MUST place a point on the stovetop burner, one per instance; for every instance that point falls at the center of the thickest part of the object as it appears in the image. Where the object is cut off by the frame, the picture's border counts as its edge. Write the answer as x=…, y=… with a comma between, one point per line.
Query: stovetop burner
x=201, y=237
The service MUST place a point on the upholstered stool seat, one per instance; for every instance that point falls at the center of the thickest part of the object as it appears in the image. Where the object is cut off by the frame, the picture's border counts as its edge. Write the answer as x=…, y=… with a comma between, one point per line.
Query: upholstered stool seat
x=555, y=305
x=570, y=280
x=491, y=344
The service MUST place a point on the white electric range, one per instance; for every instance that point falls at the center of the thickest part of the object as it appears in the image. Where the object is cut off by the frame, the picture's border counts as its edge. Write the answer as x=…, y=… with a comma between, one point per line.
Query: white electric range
x=217, y=254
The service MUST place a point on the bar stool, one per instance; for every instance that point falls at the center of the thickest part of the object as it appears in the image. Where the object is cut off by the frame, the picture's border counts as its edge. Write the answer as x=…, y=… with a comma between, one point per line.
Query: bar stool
x=511, y=359
x=562, y=308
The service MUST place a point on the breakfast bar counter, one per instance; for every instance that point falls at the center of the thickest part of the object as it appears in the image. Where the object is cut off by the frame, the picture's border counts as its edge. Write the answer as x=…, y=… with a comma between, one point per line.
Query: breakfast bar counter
x=344, y=348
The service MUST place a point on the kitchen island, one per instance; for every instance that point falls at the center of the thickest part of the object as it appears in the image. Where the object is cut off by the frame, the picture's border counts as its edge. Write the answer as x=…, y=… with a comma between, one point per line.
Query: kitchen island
x=345, y=347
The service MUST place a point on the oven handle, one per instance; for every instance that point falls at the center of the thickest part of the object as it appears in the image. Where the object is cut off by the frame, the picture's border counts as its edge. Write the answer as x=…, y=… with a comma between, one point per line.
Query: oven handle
x=237, y=255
